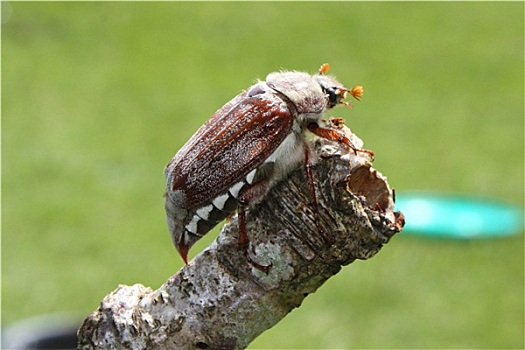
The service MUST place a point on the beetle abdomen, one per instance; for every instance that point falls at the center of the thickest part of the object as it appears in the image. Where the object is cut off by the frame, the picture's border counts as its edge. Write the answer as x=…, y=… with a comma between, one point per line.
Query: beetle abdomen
x=187, y=226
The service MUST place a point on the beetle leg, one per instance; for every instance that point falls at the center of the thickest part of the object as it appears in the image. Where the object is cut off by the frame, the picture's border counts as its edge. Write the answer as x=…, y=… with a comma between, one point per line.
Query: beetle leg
x=253, y=192
x=335, y=135
x=313, y=197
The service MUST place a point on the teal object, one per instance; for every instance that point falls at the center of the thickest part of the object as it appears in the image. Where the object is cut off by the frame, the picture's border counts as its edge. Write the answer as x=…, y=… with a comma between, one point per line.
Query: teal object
x=457, y=216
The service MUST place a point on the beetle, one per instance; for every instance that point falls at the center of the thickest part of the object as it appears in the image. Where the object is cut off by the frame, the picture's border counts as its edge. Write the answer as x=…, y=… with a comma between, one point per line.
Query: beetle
x=245, y=148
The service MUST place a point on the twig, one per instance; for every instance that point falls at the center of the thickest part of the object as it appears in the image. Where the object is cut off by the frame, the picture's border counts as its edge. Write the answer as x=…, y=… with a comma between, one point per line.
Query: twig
x=220, y=301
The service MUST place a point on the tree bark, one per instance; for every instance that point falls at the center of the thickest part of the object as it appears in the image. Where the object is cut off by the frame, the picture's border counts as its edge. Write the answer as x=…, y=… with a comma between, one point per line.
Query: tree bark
x=219, y=300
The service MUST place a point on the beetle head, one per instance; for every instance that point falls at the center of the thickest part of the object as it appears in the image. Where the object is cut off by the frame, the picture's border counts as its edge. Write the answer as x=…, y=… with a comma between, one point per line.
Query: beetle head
x=335, y=92
x=335, y=95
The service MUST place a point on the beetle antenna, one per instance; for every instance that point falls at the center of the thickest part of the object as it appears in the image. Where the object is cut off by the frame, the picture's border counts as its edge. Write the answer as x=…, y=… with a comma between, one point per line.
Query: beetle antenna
x=357, y=92
x=325, y=67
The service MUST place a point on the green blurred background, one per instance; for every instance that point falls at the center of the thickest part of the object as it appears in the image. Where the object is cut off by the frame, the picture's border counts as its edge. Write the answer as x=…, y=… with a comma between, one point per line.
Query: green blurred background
x=97, y=98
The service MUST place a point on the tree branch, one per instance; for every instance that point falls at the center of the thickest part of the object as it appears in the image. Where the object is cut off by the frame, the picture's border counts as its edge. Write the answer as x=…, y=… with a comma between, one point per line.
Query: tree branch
x=219, y=300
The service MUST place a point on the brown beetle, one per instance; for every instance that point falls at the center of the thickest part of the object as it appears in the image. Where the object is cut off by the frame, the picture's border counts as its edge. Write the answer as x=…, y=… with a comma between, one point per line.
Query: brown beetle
x=245, y=148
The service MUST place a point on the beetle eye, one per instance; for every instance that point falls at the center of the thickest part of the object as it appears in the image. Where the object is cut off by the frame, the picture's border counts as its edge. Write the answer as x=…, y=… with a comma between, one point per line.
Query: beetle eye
x=334, y=96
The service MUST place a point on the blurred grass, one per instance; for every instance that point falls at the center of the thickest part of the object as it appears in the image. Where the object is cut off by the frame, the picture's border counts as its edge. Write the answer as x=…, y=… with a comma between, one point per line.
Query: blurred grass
x=97, y=97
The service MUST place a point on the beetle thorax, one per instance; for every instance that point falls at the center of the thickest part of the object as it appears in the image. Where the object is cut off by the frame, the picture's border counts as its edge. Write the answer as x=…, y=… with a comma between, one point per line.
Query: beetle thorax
x=301, y=89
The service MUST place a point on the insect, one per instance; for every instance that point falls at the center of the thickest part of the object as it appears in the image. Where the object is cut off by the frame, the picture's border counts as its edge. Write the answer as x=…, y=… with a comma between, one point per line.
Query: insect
x=246, y=147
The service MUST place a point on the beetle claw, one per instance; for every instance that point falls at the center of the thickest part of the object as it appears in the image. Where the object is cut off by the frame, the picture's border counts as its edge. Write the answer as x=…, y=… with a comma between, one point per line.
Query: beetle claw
x=263, y=268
